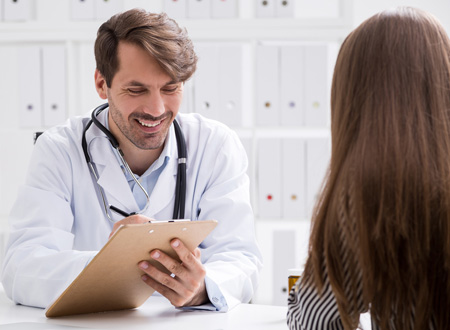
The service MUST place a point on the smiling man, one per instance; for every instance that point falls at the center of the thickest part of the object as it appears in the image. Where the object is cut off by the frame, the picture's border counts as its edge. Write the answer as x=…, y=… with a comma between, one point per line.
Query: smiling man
x=61, y=217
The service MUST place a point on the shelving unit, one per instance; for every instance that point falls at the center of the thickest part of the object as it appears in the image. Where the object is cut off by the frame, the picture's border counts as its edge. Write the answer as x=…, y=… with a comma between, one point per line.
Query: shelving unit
x=51, y=24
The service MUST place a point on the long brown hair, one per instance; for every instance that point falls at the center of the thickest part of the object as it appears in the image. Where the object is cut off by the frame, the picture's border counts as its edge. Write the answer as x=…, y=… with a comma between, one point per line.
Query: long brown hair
x=385, y=205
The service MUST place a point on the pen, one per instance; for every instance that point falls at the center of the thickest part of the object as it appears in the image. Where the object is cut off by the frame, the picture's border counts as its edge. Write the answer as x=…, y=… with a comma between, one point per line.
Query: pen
x=119, y=211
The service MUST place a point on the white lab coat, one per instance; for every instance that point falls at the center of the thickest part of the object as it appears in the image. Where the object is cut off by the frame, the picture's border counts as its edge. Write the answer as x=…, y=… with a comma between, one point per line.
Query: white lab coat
x=58, y=222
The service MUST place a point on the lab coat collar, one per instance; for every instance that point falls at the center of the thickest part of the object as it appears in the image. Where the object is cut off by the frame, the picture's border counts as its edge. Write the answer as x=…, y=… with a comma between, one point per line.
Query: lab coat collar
x=113, y=180
x=110, y=174
x=163, y=193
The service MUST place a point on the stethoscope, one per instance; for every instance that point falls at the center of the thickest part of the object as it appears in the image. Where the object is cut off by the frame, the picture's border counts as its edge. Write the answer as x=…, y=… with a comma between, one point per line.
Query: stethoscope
x=180, y=188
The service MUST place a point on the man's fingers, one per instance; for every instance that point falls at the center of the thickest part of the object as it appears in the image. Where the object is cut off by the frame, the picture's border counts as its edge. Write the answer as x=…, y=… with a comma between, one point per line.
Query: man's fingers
x=167, y=285
x=187, y=283
x=190, y=260
x=132, y=219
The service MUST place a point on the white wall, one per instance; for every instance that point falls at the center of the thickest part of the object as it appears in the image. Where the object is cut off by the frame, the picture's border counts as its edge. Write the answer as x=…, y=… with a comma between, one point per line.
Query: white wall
x=16, y=142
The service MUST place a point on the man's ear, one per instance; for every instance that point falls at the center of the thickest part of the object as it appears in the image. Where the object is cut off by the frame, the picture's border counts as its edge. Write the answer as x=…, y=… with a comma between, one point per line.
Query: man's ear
x=100, y=85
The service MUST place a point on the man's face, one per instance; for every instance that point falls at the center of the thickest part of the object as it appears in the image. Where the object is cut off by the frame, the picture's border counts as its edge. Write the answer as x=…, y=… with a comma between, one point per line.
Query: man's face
x=143, y=99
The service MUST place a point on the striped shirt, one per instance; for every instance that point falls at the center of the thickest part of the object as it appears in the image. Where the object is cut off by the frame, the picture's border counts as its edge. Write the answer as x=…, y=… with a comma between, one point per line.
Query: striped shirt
x=307, y=309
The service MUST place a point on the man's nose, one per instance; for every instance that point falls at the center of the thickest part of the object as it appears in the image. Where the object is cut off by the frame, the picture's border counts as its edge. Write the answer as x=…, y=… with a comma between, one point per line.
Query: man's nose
x=154, y=105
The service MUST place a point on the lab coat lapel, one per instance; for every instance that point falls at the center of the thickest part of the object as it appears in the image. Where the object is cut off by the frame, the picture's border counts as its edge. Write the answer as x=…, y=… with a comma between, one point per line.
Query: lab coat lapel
x=163, y=194
x=110, y=175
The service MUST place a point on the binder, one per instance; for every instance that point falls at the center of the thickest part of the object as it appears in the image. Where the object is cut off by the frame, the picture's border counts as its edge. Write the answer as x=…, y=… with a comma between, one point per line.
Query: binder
x=317, y=157
x=224, y=8
x=175, y=8
x=265, y=8
x=319, y=9
x=104, y=9
x=267, y=86
x=284, y=257
x=112, y=280
x=269, y=178
x=230, y=84
x=284, y=8
x=82, y=10
x=88, y=97
x=294, y=178
x=29, y=77
x=316, y=82
x=54, y=84
x=206, y=80
x=292, y=93
x=198, y=9
x=186, y=102
x=17, y=10
x=52, y=11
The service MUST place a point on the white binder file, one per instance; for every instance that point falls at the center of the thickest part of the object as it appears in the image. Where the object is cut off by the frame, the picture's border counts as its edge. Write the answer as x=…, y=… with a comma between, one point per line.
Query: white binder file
x=206, y=80
x=176, y=8
x=230, y=84
x=292, y=85
x=198, y=8
x=284, y=8
x=247, y=144
x=284, y=257
x=319, y=9
x=265, y=8
x=269, y=178
x=294, y=178
x=17, y=10
x=316, y=82
x=317, y=158
x=1, y=10
x=82, y=10
x=87, y=96
x=186, y=102
x=267, y=86
x=29, y=77
x=104, y=9
x=224, y=8
x=54, y=84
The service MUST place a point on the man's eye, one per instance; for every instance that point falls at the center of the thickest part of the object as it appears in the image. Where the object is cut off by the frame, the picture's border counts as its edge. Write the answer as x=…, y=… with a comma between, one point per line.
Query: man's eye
x=170, y=89
x=135, y=91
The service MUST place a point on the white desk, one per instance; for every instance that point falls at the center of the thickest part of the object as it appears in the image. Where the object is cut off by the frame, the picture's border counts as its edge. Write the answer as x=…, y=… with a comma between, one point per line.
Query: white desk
x=156, y=313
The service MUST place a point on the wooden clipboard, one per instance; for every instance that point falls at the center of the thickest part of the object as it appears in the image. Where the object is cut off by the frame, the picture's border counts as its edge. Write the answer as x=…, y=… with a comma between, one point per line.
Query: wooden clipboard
x=112, y=280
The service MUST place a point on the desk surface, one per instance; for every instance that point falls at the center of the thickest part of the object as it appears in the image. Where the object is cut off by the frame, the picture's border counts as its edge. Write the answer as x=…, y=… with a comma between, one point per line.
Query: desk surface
x=156, y=313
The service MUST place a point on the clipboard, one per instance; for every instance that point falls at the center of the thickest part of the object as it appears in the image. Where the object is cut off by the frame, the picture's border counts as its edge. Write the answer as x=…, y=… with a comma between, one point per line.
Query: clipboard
x=112, y=280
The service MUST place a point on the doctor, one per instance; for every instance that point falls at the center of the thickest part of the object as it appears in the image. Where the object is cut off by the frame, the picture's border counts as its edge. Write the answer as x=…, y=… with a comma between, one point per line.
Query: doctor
x=59, y=220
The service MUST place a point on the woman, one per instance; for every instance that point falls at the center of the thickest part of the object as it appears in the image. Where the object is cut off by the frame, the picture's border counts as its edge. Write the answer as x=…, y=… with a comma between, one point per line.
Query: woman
x=381, y=229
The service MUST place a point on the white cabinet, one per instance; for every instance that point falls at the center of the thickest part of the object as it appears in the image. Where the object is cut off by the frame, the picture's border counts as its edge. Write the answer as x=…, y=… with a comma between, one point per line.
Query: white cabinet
x=264, y=70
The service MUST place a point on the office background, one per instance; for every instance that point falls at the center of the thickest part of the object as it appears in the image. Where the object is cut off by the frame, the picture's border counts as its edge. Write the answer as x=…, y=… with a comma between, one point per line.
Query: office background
x=264, y=69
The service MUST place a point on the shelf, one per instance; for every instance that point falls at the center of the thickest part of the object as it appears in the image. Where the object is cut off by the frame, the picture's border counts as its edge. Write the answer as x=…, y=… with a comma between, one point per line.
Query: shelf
x=217, y=30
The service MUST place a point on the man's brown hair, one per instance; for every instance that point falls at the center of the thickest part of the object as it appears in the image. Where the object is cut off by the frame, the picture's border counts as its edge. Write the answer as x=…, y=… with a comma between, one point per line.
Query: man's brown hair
x=157, y=34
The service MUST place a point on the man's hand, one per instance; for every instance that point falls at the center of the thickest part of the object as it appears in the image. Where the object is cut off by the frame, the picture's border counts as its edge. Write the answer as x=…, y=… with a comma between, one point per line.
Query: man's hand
x=186, y=285
x=132, y=219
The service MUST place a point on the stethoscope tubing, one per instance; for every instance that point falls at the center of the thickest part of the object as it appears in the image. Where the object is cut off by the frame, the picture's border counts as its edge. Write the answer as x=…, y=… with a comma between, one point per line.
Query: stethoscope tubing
x=180, y=187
